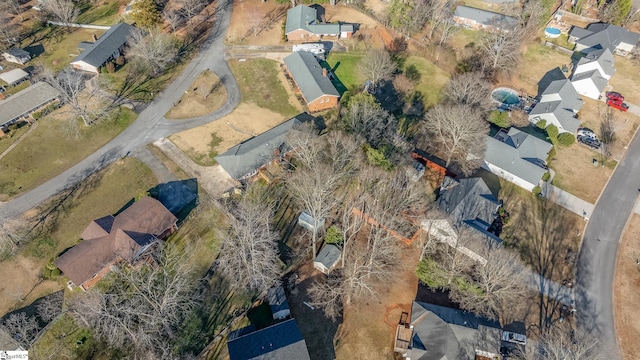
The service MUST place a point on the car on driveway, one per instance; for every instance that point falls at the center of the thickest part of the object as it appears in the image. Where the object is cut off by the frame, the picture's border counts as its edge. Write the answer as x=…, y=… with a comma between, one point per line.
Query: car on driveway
x=589, y=141
x=615, y=96
x=587, y=132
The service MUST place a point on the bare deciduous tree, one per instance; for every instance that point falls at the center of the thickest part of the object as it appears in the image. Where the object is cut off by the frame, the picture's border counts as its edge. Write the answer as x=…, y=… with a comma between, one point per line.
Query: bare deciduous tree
x=458, y=132
x=64, y=11
x=156, y=51
x=501, y=49
x=191, y=8
x=12, y=7
x=564, y=344
x=255, y=20
x=367, y=119
x=49, y=307
x=22, y=328
x=607, y=131
x=12, y=234
x=174, y=18
x=249, y=255
x=9, y=33
x=376, y=66
x=142, y=309
x=403, y=85
x=470, y=89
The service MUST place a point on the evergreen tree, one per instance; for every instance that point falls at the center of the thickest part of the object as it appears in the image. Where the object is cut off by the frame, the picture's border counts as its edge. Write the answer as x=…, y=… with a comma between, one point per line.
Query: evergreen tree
x=145, y=13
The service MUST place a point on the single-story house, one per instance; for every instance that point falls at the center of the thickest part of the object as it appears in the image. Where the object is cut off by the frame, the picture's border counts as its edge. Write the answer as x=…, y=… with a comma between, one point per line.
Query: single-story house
x=111, y=239
x=603, y=36
x=247, y=158
x=23, y=103
x=313, y=81
x=327, y=259
x=559, y=105
x=14, y=77
x=479, y=19
x=303, y=24
x=517, y=157
x=17, y=55
x=108, y=47
x=445, y=333
x=278, y=303
x=591, y=70
x=282, y=341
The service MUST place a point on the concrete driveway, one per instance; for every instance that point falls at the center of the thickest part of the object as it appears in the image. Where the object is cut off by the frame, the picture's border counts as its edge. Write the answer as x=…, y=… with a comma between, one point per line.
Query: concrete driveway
x=151, y=124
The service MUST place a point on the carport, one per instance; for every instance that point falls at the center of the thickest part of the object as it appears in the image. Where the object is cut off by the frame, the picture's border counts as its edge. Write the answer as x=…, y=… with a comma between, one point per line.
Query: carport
x=14, y=77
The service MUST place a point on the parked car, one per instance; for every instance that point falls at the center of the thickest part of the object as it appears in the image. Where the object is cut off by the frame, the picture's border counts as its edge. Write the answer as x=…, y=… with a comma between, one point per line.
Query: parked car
x=590, y=142
x=615, y=96
x=616, y=104
x=587, y=132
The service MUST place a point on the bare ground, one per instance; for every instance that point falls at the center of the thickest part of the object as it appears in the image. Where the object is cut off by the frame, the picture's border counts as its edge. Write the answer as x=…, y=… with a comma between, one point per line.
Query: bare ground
x=207, y=94
x=22, y=283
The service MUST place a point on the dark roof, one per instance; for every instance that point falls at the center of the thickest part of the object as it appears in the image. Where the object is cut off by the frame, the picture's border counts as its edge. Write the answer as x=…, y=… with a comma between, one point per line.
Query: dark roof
x=106, y=45
x=467, y=199
x=26, y=100
x=485, y=17
x=175, y=195
x=247, y=157
x=282, y=341
x=601, y=35
x=442, y=333
x=128, y=232
x=277, y=299
x=308, y=75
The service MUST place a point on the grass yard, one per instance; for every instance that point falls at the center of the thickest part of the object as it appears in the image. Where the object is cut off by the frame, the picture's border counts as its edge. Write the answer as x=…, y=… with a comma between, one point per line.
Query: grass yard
x=100, y=14
x=432, y=79
x=14, y=135
x=345, y=68
x=259, y=84
x=537, y=61
x=207, y=95
x=146, y=90
x=60, y=47
x=563, y=41
x=50, y=149
x=626, y=79
x=14, y=89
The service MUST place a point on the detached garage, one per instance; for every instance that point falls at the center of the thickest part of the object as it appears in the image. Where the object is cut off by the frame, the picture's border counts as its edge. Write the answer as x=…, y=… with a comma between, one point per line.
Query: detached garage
x=14, y=77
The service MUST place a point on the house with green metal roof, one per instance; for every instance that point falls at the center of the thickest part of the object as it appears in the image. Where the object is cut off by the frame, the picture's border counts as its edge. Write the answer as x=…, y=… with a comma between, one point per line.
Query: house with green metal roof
x=303, y=24
x=313, y=81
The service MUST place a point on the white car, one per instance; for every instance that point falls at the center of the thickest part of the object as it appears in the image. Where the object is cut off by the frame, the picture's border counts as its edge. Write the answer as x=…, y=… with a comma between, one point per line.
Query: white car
x=587, y=133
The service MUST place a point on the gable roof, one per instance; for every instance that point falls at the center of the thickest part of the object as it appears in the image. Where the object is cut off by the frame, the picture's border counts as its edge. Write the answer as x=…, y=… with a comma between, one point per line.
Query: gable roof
x=111, y=237
x=593, y=76
x=308, y=75
x=282, y=341
x=467, y=199
x=517, y=154
x=14, y=75
x=442, y=333
x=328, y=256
x=563, y=90
x=277, y=299
x=485, y=17
x=603, y=57
x=560, y=110
x=26, y=100
x=601, y=35
x=250, y=155
x=299, y=17
x=97, y=54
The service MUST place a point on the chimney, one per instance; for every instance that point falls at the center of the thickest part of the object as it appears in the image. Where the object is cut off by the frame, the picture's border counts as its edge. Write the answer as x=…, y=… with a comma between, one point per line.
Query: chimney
x=95, y=38
x=324, y=72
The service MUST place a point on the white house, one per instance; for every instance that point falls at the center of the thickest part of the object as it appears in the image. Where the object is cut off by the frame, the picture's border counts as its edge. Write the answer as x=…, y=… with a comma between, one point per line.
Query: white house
x=592, y=73
x=327, y=259
x=558, y=105
x=108, y=47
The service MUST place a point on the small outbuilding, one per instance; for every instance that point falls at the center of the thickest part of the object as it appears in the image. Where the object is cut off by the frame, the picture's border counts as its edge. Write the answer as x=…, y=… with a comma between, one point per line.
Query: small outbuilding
x=14, y=77
x=278, y=303
x=17, y=55
x=307, y=221
x=327, y=259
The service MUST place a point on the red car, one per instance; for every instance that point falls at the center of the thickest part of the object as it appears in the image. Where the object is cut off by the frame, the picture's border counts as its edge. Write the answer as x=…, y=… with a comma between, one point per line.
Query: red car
x=618, y=105
x=614, y=96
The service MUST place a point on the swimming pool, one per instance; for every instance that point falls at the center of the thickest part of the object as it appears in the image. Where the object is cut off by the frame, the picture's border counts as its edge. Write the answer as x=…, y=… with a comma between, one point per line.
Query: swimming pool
x=552, y=32
x=505, y=96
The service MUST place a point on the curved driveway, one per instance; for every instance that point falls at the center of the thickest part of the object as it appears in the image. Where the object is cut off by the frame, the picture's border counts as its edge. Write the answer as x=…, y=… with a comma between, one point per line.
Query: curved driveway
x=597, y=260
x=151, y=124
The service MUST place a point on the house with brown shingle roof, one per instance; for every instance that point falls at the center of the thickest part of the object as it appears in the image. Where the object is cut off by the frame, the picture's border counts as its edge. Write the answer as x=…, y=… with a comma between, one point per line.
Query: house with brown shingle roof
x=112, y=239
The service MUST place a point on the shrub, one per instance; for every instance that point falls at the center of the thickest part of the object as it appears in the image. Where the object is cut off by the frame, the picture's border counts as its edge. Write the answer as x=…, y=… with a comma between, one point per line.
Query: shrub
x=546, y=176
x=541, y=124
x=111, y=68
x=103, y=70
x=120, y=60
x=536, y=190
x=499, y=118
x=552, y=154
x=432, y=274
x=412, y=73
x=566, y=139
x=552, y=133
x=377, y=158
x=333, y=236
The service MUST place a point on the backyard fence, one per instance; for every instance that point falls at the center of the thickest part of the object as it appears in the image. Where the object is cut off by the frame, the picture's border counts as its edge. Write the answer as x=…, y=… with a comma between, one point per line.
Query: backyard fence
x=84, y=26
x=557, y=47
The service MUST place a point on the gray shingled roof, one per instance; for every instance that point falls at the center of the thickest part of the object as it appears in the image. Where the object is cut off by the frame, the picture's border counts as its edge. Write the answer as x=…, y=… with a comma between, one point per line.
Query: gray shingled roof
x=106, y=45
x=603, y=57
x=26, y=100
x=565, y=92
x=328, y=256
x=594, y=76
x=442, y=333
x=13, y=76
x=299, y=17
x=249, y=156
x=560, y=110
x=307, y=73
x=282, y=341
x=517, y=154
x=277, y=299
x=466, y=199
x=486, y=17
x=600, y=35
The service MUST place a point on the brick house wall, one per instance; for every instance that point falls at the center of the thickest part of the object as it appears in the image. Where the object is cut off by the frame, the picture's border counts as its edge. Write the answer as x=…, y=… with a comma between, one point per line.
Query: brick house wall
x=300, y=34
x=323, y=103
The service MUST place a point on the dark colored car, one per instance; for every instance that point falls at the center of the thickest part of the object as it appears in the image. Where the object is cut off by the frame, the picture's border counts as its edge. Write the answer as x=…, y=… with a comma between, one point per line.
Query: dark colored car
x=590, y=142
x=615, y=96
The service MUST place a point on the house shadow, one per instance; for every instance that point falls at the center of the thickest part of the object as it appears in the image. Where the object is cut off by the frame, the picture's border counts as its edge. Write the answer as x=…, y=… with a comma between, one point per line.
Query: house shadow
x=492, y=180
x=548, y=78
x=320, y=11
x=35, y=50
x=179, y=197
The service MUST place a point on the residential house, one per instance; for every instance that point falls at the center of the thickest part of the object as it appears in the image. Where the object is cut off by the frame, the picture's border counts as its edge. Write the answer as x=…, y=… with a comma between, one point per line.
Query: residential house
x=111, y=239
x=592, y=73
x=278, y=303
x=247, y=158
x=313, y=81
x=17, y=55
x=478, y=19
x=517, y=157
x=14, y=77
x=603, y=36
x=558, y=105
x=445, y=333
x=108, y=47
x=327, y=259
x=303, y=24
x=23, y=103
x=282, y=341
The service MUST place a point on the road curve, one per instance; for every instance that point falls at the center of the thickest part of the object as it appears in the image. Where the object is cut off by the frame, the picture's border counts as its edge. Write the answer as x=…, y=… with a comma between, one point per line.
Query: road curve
x=597, y=259
x=150, y=124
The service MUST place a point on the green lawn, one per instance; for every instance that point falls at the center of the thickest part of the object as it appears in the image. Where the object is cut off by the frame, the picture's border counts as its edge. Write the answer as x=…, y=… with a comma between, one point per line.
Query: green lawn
x=50, y=149
x=105, y=14
x=432, y=79
x=259, y=84
x=14, y=89
x=8, y=139
x=60, y=46
x=563, y=41
x=345, y=68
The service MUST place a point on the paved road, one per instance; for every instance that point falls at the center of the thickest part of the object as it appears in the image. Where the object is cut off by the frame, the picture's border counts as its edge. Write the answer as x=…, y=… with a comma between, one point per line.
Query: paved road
x=151, y=124
x=597, y=258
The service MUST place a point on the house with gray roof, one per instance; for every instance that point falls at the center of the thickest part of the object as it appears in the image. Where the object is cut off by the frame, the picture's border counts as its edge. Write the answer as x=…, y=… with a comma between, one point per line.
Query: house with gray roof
x=479, y=19
x=245, y=159
x=558, y=105
x=303, y=24
x=108, y=47
x=442, y=333
x=14, y=77
x=592, y=72
x=327, y=259
x=23, y=103
x=604, y=36
x=313, y=80
x=517, y=157
x=282, y=341
x=17, y=55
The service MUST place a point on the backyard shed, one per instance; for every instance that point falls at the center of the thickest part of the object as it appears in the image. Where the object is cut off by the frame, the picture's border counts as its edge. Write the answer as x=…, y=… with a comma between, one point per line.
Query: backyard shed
x=327, y=259
x=14, y=77
x=278, y=303
x=307, y=221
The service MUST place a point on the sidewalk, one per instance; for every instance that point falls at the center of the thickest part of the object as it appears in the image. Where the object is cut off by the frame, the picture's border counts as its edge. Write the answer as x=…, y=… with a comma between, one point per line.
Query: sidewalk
x=566, y=200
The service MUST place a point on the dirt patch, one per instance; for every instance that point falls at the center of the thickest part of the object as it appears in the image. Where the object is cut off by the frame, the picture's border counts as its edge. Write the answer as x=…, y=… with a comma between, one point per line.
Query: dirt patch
x=246, y=14
x=377, y=6
x=245, y=121
x=206, y=95
x=626, y=296
x=22, y=282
